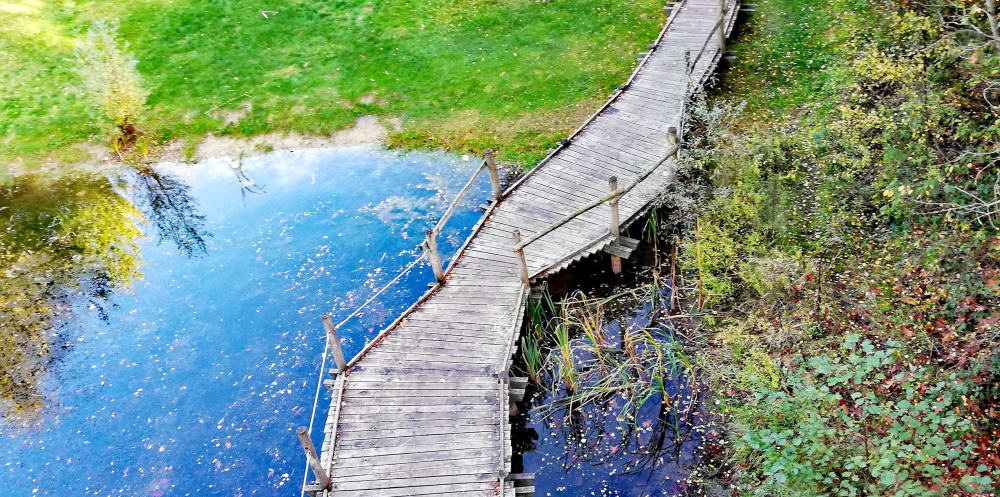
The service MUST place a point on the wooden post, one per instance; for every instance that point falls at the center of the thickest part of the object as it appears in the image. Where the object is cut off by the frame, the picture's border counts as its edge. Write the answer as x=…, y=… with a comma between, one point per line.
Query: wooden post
x=331, y=335
x=673, y=276
x=616, y=262
x=521, y=262
x=432, y=252
x=307, y=445
x=722, y=26
x=671, y=136
x=491, y=165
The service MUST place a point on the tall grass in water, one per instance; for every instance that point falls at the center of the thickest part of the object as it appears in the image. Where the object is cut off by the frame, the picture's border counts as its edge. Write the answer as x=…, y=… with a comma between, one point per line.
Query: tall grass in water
x=565, y=363
x=534, y=357
x=603, y=369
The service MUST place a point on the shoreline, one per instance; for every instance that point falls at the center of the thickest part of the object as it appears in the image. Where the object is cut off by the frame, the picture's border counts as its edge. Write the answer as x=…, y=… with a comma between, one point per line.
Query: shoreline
x=368, y=130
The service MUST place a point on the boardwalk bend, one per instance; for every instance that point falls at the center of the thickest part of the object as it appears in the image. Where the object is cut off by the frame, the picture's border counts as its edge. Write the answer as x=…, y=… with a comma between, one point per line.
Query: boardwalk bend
x=423, y=409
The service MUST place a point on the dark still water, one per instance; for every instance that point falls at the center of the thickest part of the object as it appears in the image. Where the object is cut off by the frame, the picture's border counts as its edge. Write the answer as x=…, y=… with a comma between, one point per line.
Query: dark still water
x=633, y=428
x=192, y=379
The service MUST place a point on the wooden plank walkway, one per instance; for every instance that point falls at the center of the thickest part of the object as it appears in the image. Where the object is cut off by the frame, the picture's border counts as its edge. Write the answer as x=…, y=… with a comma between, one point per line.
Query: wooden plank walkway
x=423, y=410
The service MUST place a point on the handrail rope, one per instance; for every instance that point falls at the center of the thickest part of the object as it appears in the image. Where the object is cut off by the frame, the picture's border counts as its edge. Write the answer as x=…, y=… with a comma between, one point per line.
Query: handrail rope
x=326, y=348
x=670, y=153
x=384, y=288
x=458, y=198
x=312, y=418
x=718, y=24
x=617, y=193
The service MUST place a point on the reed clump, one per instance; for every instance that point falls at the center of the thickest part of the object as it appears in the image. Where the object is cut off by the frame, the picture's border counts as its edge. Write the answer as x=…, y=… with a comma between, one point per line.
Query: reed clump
x=578, y=350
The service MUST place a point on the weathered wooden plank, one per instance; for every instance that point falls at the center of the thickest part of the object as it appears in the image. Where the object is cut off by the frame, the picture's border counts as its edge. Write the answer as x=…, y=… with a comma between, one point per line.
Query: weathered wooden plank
x=365, y=428
x=430, y=345
x=430, y=361
x=582, y=158
x=348, y=453
x=421, y=442
x=596, y=151
x=409, y=482
x=489, y=337
x=376, y=431
x=632, y=144
x=444, y=490
x=424, y=368
x=416, y=418
x=449, y=468
x=458, y=399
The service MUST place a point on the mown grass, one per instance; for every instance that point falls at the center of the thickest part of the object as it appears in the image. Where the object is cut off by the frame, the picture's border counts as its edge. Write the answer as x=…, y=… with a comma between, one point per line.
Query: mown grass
x=783, y=56
x=463, y=75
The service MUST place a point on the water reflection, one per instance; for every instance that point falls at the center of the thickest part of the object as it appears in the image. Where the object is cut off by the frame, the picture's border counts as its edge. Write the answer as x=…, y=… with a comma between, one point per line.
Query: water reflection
x=199, y=373
x=63, y=239
x=171, y=209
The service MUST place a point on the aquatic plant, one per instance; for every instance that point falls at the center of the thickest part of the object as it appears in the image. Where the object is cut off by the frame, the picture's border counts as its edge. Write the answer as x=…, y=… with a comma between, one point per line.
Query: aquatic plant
x=596, y=368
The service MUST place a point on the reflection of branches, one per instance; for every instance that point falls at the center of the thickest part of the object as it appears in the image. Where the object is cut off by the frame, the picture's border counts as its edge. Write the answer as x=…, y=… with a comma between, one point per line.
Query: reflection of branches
x=172, y=210
x=64, y=242
x=246, y=184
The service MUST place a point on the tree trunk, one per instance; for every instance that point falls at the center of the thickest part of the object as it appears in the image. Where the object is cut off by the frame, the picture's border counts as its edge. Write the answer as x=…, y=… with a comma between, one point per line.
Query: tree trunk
x=991, y=14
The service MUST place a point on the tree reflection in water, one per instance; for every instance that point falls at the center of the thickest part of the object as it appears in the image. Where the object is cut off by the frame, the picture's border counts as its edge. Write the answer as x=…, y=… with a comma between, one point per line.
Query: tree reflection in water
x=171, y=209
x=71, y=240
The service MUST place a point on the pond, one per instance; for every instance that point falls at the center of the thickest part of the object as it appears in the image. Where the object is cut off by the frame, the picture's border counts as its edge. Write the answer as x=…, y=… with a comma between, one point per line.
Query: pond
x=161, y=326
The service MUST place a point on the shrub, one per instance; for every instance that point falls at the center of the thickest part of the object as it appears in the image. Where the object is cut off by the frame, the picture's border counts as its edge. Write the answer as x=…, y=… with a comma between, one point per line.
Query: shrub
x=869, y=422
x=112, y=82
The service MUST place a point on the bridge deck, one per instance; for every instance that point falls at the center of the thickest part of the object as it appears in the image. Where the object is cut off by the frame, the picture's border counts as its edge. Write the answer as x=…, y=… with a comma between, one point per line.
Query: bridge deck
x=423, y=410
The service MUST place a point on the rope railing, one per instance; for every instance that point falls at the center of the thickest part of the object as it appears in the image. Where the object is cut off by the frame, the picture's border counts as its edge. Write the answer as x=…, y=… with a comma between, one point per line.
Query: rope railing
x=333, y=346
x=611, y=198
x=718, y=33
x=430, y=241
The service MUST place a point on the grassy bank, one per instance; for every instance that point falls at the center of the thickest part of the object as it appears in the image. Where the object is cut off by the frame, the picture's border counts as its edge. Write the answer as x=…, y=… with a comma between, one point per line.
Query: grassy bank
x=845, y=249
x=464, y=75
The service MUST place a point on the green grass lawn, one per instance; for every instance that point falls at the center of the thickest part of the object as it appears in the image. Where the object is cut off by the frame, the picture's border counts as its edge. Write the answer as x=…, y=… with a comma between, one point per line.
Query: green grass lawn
x=463, y=75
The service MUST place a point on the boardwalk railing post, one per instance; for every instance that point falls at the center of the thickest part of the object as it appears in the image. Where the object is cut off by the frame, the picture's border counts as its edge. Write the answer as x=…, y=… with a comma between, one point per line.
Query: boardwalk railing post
x=322, y=478
x=331, y=335
x=722, y=26
x=687, y=69
x=616, y=262
x=521, y=262
x=491, y=165
x=430, y=245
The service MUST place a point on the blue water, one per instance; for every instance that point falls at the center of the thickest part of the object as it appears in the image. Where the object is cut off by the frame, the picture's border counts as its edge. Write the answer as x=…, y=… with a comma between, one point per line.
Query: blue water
x=198, y=377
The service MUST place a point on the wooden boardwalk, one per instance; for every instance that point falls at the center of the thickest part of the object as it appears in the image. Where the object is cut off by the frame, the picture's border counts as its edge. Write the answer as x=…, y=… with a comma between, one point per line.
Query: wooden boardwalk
x=423, y=410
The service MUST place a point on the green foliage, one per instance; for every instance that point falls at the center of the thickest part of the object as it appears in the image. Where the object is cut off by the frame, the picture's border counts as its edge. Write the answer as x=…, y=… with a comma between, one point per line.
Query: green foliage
x=868, y=423
x=112, y=83
x=846, y=238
